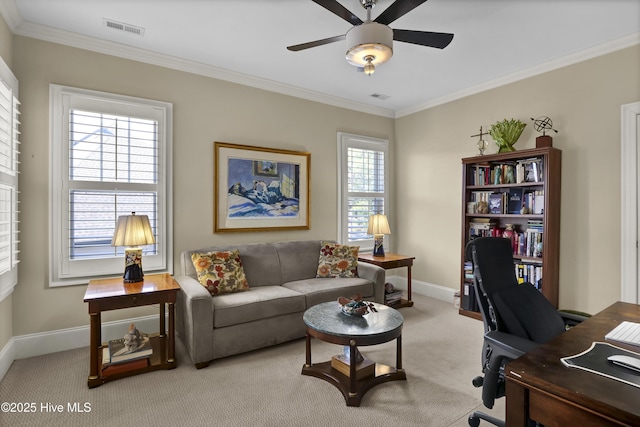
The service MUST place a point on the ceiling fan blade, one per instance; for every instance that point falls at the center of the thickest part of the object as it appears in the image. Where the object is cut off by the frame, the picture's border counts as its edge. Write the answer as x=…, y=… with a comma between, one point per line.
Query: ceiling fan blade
x=338, y=9
x=303, y=46
x=424, y=38
x=396, y=10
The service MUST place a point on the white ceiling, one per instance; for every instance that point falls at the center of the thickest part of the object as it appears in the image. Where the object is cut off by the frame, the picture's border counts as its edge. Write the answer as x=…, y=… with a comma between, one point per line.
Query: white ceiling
x=496, y=41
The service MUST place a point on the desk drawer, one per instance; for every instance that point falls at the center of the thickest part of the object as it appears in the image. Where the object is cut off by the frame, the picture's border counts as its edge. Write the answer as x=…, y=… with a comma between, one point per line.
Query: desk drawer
x=553, y=412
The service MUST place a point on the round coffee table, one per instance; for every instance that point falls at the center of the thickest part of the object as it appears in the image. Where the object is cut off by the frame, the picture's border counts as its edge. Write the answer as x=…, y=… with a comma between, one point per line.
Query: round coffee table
x=328, y=323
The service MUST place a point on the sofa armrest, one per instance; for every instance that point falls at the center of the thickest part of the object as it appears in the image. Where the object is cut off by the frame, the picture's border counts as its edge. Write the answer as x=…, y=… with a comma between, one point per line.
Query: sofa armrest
x=376, y=275
x=195, y=319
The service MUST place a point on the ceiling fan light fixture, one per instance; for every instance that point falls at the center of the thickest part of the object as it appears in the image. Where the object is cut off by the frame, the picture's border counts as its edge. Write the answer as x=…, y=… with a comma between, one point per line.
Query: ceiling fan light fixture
x=369, y=40
x=369, y=68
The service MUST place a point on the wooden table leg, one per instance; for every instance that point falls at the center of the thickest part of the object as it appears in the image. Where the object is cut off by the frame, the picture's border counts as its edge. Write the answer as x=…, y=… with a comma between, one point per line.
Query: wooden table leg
x=95, y=339
x=409, y=286
x=162, y=326
x=352, y=368
x=172, y=342
x=308, y=351
x=399, y=353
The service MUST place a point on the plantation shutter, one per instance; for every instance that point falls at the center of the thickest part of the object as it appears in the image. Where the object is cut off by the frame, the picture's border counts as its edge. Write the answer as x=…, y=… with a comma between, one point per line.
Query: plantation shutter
x=363, y=178
x=110, y=156
x=365, y=188
x=109, y=149
x=9, y=153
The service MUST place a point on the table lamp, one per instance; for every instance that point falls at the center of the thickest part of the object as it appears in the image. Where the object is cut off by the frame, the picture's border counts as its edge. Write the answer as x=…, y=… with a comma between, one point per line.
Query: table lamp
x=133, y=231
x=378, y=226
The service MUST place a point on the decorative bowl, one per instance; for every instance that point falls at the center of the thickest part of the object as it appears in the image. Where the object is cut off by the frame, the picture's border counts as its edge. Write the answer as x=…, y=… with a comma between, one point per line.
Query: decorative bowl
x=354, y=306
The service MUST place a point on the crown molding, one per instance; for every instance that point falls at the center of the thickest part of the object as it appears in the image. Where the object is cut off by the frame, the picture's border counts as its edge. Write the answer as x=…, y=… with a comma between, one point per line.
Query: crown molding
x=67, y=38
x=11, y=14
x=20, y=27
x=564, y=61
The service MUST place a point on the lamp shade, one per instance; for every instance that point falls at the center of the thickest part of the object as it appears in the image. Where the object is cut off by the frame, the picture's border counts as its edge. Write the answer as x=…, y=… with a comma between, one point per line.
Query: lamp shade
x=133, y=230
x=378, y=224
x=369, y=40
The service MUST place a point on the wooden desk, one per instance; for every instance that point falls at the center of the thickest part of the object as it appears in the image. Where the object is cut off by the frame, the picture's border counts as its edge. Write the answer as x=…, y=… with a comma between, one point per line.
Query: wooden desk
x=113, y=294
x=540, y=387
x=389, y=261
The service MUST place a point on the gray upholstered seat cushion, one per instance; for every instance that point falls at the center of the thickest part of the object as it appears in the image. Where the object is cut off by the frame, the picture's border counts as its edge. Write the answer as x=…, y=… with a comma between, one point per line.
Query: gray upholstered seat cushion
x=257, y=303
x=319, y=290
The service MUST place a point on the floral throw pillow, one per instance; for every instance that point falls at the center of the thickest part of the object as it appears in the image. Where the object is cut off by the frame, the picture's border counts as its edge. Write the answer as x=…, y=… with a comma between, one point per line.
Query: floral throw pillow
x=220, y=272
x=337, y=260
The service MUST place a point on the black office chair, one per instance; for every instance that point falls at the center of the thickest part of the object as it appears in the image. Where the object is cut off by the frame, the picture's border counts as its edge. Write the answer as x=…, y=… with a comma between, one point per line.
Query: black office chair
x=516, y=317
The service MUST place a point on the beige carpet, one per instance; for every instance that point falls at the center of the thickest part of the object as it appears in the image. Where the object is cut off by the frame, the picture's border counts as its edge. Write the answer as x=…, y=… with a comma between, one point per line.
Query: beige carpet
x=441, y=354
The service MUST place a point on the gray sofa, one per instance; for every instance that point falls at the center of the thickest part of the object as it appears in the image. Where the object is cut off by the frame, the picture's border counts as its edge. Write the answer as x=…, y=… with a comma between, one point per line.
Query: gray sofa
x=282, y=285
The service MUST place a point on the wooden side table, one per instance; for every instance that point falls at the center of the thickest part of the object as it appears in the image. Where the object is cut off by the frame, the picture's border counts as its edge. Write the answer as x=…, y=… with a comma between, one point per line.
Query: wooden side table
x=389, y=261
x=113, y=294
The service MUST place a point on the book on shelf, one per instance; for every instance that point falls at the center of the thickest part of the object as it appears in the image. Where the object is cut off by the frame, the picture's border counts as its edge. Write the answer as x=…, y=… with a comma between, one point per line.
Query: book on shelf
x=469, y=298
x=117, y=352
x=529, y=170
x=393, y=297
x=515, y=200
x=482, y=227
x=495, y=203
x=538, y=202
x=481, y=175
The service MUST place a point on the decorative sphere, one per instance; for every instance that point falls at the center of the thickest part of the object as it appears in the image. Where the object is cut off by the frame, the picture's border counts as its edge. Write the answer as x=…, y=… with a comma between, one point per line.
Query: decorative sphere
x=542, y=123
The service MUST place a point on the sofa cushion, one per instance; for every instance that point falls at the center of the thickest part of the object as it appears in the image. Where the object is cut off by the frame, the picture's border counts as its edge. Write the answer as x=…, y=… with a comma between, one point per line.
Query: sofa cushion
x=221, y=272
x=298, y=259
x=319, y=290
x=257, y=303
x=337, y=260
x=256, y=259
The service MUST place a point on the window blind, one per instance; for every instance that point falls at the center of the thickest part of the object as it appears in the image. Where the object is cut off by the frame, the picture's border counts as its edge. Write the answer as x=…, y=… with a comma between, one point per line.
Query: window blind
x=110, y=156
x=363, y=185
x=9, y=155
x=106, y=148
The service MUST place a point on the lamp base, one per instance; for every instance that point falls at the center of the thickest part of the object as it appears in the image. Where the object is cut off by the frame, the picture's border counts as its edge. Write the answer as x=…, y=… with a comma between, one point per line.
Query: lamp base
x=133, y=265
x=133, y=274
x=378, y=248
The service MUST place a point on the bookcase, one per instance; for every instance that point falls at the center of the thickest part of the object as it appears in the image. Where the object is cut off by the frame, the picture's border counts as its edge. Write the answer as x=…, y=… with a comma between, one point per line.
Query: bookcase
x=518, y=191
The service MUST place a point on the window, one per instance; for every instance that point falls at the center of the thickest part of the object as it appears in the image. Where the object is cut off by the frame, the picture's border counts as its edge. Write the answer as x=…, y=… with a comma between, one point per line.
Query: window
x=109, y=157
x=9, y=142
x=363, y=181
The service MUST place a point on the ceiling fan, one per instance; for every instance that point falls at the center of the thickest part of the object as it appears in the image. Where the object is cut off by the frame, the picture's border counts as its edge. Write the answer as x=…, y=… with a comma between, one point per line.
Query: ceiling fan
x=370, y=43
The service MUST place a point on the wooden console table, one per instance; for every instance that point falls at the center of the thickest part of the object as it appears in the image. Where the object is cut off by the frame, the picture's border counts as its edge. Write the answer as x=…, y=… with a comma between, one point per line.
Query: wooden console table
x=388, y=262
x=113, y=294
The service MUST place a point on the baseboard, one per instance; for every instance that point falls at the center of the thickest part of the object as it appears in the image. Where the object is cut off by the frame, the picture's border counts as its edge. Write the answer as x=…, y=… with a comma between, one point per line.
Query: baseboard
x=21, y=347
x=6, y=357
x=427, y=289
x=31, y=345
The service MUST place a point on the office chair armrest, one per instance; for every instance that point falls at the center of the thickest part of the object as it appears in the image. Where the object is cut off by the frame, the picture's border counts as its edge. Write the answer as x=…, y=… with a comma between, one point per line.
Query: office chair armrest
x=572, y=318
x=508, y=346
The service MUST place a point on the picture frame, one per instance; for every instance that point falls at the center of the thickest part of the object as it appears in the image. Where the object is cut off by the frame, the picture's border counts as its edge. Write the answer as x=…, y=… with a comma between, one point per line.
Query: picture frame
x=260, y=189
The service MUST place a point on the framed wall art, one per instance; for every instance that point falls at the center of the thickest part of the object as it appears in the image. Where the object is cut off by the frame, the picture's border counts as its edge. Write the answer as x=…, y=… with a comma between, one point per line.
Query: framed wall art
x=260, y=189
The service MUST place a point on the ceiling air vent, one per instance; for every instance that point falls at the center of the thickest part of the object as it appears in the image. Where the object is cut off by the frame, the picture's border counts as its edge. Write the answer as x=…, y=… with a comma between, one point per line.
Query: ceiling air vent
x=379, y=96
x=121, y=26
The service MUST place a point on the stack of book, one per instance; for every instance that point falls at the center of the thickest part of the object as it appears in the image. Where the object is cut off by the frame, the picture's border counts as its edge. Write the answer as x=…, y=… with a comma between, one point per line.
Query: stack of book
x=392, y=295
x=364, y=368
x=482, y=227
